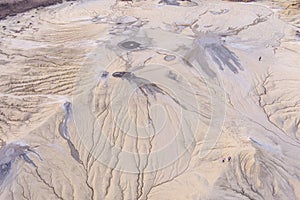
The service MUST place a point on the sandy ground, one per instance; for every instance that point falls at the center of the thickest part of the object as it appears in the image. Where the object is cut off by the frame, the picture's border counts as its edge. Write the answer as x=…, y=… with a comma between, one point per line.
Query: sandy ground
x=151, y=100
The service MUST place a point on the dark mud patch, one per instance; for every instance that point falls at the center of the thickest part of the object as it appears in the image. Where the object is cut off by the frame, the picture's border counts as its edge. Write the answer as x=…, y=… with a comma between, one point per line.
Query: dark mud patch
x=13, y=7
x=178, y=2
x=129, y=45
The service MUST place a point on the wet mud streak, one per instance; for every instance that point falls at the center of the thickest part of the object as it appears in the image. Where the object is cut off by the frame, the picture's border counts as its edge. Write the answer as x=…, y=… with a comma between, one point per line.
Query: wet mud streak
x=177, y=2
x=63, y=127
x=211, y=45
x=64, y=132
x=224, y=57
x=170, y=2
x=145, y=86
x=9, y=154
x=4, y=170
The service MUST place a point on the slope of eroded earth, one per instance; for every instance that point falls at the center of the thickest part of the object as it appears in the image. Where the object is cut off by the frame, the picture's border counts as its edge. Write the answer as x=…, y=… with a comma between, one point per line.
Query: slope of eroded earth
x=151, y=100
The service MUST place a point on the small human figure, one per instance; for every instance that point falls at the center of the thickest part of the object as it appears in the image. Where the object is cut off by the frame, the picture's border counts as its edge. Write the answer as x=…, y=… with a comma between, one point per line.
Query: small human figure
x=229, y=158
x=223, y=160
x=259, y=59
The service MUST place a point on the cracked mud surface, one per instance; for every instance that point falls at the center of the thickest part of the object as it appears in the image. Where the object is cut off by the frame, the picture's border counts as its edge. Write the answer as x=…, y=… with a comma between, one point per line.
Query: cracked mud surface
x=167, y=99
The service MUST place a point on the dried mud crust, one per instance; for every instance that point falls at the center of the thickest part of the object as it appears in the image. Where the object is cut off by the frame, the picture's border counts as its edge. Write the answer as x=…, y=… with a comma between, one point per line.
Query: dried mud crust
x=105, y=100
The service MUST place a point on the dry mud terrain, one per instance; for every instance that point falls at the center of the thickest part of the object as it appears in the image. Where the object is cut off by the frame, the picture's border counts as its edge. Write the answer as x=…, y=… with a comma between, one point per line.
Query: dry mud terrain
x=166, y=100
